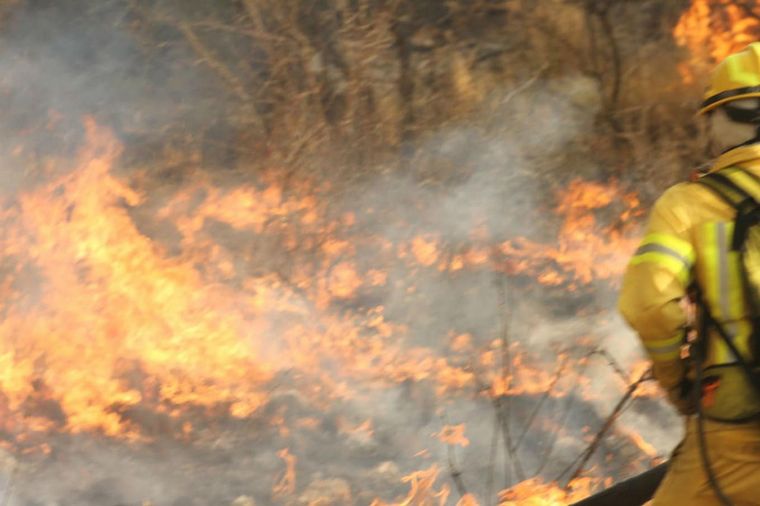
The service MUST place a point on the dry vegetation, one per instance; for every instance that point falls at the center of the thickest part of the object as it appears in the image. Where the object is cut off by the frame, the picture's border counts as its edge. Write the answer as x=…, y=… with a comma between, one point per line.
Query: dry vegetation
x=340, y=89
x=415, y=96
x=454, y=124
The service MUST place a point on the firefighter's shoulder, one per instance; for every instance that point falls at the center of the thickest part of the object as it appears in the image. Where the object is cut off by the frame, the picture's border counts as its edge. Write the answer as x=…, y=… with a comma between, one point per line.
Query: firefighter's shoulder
x=677, y=203
x=686, y=205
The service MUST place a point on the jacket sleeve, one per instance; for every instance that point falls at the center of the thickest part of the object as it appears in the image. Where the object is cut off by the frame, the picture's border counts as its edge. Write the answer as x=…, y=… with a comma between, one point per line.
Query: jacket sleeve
x=655, y=283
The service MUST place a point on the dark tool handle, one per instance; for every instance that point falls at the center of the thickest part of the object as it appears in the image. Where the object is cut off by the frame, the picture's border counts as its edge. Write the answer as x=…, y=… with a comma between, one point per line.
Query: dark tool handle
x=631, y=492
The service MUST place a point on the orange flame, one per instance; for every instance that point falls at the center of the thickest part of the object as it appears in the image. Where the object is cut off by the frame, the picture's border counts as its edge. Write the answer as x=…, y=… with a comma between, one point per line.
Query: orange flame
x=534, y=492
x=585, y=250
x=98, y=318
x=422, y=490
x=645, y=447
x=453, y=435
x=286, y=484
x=425, y=250
x=717, y=28
x=467, y=500
x=101, y=308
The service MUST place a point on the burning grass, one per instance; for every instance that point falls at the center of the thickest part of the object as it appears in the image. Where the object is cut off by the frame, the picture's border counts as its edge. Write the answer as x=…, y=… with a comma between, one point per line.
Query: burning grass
x=298, y=345
x=107, y=330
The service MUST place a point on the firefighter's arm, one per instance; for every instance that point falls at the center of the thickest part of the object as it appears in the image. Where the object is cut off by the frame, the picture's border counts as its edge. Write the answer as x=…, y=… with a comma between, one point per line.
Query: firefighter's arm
x=655, y=284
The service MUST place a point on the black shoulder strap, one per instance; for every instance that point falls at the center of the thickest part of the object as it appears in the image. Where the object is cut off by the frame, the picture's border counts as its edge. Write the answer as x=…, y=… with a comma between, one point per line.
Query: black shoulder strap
x=747, y=214
x=747, y=208
x=728, y=189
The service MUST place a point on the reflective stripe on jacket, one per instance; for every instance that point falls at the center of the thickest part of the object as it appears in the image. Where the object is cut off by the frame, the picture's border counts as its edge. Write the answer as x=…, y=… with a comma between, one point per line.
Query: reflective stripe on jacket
x=688, y=238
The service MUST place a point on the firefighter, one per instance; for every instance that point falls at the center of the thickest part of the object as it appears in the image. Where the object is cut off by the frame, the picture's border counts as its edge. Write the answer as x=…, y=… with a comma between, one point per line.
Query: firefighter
x=687, y=248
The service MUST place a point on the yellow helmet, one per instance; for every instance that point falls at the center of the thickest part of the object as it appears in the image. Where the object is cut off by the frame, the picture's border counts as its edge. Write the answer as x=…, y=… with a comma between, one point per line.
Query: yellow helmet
x=737, y=77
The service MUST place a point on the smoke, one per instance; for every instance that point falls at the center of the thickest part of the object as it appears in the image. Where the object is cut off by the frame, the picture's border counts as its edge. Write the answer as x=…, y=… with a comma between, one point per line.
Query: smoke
x=60, y=62
x=84, y=59
x=474, y=183
x=506, y=155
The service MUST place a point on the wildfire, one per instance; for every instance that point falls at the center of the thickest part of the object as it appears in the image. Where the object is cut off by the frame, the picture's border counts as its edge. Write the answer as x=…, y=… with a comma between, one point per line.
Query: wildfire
x=99, y=319
x=113, y=322
x=101, y=308
x=422, y=490
x=585, y=250
x=643, y=445
x=532, y=492
x=713, y=29
x=535, y=492
x=286, y=485
x=425, y=250
x=717, y=28
x=453, y=435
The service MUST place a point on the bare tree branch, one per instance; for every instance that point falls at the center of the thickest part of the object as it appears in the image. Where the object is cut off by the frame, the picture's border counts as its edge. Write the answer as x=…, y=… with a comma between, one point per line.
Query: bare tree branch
x=524, y=86
x=612, y=363
x=492, y=459
x=580, y=462
x=503, y=403
x=540, y=403
x=617, y=65
x=207, y=57
x=600, y=10
x=562, y=420
x=454, y=471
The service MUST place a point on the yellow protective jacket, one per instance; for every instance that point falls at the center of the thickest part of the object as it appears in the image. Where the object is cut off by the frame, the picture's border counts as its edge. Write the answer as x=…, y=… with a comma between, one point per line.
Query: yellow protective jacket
x=688, y=238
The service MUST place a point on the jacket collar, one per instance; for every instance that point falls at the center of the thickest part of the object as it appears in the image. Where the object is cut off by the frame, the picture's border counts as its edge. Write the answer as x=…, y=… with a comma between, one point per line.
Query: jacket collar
x=746, y=156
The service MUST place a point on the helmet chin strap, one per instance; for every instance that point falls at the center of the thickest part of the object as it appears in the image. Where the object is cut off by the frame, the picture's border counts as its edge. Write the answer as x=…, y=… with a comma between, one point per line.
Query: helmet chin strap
x=752, y=140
